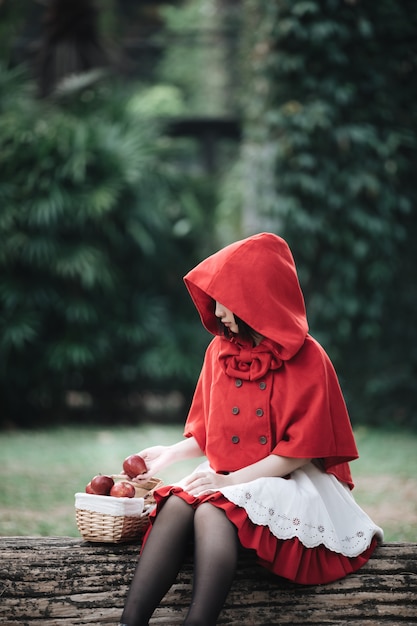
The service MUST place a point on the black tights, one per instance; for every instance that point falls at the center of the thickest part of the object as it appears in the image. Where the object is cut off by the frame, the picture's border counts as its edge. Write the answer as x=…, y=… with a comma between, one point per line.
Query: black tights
x=215, y=560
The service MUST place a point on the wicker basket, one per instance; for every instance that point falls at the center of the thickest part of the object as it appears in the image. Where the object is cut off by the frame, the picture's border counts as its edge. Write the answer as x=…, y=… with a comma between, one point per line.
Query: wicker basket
x=105, y=519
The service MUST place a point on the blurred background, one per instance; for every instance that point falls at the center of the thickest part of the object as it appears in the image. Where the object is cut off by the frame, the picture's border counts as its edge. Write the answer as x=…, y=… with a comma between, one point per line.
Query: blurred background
x=137, y=137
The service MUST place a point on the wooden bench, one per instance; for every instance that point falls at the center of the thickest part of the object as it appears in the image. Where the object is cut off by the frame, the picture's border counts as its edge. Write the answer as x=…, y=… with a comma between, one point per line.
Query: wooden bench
x=61, y=581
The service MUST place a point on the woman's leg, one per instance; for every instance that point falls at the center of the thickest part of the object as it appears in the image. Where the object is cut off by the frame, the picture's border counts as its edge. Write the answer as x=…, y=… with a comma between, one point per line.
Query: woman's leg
x=215, y=561
x=160, y=561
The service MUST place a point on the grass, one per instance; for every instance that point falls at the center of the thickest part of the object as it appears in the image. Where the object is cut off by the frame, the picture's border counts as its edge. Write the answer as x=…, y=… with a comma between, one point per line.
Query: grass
x=41, y=470
x=386, y=480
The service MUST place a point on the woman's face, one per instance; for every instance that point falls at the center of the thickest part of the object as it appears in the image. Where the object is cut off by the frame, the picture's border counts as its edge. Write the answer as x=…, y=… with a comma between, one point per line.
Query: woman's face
x=226, y=317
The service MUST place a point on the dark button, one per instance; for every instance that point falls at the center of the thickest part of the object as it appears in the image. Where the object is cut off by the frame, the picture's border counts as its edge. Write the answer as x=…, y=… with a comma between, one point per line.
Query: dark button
x=238, y=382
x=262, y=385
x=235, y=439
x=263, y=440
x=235, y=410
x=259, y=412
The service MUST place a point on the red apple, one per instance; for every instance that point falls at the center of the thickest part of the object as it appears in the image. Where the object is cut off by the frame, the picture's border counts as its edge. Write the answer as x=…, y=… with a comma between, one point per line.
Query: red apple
x=123, y=489
x=134, y=465
x=102, y=484
x=89, y=489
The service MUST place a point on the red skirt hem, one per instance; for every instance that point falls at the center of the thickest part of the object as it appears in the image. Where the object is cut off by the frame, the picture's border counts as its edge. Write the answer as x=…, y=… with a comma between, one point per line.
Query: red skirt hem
x=287, y=558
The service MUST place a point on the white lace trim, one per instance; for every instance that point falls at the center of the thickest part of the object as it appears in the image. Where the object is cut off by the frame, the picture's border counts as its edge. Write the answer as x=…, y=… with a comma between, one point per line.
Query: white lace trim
x=312, y=506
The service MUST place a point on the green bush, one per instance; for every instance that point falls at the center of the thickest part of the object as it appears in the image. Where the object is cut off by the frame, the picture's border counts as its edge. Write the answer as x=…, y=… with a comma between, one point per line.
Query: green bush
x=97, y=226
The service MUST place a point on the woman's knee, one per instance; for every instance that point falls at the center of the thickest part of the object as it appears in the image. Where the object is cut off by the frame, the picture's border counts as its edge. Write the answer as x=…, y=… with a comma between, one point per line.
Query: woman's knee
x=207, y=514
x=176, y=503
x=206, y=509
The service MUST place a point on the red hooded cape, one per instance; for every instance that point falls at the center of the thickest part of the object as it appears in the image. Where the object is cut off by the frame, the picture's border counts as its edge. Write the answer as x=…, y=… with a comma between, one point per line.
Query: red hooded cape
x=282, y=396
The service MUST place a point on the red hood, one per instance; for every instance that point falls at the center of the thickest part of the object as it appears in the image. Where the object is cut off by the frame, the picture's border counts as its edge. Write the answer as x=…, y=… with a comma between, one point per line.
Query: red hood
x=255, y=278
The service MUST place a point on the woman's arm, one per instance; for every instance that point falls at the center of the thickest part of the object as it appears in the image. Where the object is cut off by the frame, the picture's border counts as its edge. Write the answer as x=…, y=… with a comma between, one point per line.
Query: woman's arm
x=272, y=465
x=200, y=483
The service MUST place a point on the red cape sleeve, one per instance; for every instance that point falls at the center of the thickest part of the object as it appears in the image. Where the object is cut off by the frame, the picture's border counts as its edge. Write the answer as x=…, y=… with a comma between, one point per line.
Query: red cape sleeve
x=313, y=421
x=196, y=424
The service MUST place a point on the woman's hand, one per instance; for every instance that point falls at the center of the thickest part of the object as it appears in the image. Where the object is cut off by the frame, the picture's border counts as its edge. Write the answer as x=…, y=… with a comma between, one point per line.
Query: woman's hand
x=156, y=458
x=159, y=457
x=204, y=483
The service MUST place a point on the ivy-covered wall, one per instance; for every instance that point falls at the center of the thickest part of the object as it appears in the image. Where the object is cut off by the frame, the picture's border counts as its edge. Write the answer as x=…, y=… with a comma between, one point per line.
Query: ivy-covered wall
x=328, y=162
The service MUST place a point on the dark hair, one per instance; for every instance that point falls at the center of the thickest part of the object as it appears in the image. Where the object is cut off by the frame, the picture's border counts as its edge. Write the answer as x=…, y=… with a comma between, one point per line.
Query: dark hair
x=246, y=332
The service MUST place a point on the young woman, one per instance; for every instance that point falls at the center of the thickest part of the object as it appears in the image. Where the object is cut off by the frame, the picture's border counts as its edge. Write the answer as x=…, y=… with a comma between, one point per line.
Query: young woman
x=269, y=416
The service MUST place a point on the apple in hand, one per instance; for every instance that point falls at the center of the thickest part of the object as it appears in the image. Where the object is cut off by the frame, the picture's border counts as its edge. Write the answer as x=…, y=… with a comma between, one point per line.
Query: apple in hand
x=123, y=489
x=101, y=484
x=134, y=465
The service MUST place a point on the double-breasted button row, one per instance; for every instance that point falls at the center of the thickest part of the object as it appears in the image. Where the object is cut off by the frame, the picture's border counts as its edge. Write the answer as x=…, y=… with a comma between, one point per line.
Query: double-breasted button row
x=262, y=440
x=236, y=411
x=239, y=383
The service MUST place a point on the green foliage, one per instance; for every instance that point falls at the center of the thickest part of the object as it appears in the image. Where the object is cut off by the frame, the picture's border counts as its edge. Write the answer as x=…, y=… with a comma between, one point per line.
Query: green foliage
x=200, y=55
x=12, y=17
x=97, y=228
x=331, y=147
